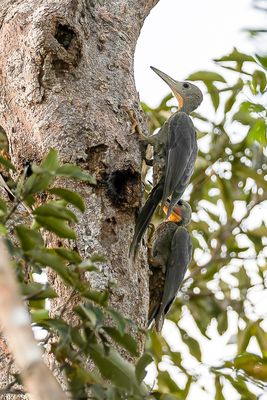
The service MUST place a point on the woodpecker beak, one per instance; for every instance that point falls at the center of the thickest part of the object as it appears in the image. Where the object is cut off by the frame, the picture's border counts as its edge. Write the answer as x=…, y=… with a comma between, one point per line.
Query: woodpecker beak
x=175, y=86
x=175, y=215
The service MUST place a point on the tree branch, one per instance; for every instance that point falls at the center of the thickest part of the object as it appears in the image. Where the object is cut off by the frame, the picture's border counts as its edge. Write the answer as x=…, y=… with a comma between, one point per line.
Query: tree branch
x=15, y=323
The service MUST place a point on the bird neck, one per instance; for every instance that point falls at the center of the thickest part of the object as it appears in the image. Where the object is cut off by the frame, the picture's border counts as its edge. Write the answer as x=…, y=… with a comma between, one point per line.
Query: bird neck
x=186, y=108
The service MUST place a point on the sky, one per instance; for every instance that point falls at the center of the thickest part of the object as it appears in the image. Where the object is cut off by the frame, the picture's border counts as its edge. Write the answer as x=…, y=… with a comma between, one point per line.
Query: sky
x=181, y=37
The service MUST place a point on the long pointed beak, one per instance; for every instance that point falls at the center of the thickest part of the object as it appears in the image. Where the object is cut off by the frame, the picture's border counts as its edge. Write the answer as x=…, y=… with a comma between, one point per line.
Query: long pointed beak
x=174, y=85
x=170, y=82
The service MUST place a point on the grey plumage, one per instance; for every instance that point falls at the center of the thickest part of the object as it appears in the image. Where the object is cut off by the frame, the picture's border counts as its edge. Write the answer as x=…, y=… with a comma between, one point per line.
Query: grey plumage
x=170, y=255
x=175, y=149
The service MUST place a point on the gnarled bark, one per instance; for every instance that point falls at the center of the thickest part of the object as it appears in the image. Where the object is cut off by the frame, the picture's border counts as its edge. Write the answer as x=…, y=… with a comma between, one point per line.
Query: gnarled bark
x=66, y=81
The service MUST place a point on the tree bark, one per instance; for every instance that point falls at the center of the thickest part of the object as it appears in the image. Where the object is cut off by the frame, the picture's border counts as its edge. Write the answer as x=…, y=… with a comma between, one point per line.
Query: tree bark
x=66, y=82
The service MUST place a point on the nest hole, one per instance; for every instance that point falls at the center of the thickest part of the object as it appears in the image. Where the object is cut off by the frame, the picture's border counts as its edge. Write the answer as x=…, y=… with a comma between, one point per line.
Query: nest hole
x=123, y=188
x=64, y=35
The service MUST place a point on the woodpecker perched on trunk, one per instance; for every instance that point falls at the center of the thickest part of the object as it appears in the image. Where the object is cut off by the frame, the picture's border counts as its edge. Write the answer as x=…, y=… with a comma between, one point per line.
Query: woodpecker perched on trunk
x=175, y=153
x=170, y=254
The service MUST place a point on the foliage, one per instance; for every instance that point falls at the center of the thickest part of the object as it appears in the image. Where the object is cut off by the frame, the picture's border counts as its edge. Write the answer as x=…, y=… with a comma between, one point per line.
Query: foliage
x=228, y=272
x=97, y=325
x=218, y=300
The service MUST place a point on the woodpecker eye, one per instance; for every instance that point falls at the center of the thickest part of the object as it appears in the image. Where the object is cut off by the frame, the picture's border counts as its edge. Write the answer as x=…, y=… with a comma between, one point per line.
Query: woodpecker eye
x=186, y=85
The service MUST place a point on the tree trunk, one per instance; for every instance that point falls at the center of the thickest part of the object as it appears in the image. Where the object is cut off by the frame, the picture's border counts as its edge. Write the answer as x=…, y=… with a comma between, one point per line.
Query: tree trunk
x=66, y=81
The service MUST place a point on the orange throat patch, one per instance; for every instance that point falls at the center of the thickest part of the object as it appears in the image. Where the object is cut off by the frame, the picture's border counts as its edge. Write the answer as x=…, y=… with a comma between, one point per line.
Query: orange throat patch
x=174, y=217
x=180, y=100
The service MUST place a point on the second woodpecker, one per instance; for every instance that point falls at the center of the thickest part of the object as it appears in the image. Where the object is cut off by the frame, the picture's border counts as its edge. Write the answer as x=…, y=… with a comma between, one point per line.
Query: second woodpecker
x=170, y=253
x=175, y=153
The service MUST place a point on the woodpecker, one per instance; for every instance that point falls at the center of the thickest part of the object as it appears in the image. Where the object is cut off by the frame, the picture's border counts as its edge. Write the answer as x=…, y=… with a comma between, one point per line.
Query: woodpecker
x=169, y=255
x=175, y=153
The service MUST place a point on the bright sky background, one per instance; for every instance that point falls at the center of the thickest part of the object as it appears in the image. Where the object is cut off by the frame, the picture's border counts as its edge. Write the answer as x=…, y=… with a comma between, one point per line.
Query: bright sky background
x=180, y=37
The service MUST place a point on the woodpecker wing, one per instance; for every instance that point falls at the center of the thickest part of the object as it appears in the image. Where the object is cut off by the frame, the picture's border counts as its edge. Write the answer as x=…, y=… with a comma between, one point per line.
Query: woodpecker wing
x=182, y=185
x=181, y=143
x=178, y=261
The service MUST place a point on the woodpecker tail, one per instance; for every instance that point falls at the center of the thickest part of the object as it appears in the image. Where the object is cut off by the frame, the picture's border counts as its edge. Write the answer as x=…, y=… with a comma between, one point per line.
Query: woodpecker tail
x=174, y=199
x=156, y=320
x=144, y=217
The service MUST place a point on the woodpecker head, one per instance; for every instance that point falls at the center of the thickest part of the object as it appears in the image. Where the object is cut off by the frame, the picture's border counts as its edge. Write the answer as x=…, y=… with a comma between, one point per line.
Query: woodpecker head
x=189, y=96
x=181, y=212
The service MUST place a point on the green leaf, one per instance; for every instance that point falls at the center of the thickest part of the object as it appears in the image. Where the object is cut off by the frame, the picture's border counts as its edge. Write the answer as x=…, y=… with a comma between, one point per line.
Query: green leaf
x=222, y=322
x=242, y=277
x=243, y=115
x=261, y=337
x=226, y=192
x=37, y=291
x=192, y=344
x=125, y=340
x=257, y=132
x=73, y=171
x=259, y=232
x=70, y=255
x=3, y=230
x=245, y=172
x=141, y=365
x=243, y=337
x=214, y=94
x=29, y=239
x=262, y=61
x=259, y=80
x=3, y=207
x=7, y=164
x=87, y=313
x=237, y=57
x=206, y=76
x=37, y=183
x=78, y=380
x=187, y=387
x=232, y=99
x=52, y=209
x=156, y=346
x=166, y=384
x=114, y=368
x=39, y=315
x=48, y=257
x=51, y=162
x=219, y=394
x=60, y=227
x=253, y=365
x=69, y=196
x=36, y=304
x=119, y=319
x=241, y=388
x=99, y=297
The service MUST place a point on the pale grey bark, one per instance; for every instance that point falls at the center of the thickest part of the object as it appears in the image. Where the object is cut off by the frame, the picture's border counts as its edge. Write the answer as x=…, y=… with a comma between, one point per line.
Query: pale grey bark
x=66, y=81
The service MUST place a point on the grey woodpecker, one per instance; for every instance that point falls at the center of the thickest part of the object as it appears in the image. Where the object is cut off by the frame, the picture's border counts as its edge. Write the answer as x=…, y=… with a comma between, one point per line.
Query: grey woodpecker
x=175, y=153
x=170, y=253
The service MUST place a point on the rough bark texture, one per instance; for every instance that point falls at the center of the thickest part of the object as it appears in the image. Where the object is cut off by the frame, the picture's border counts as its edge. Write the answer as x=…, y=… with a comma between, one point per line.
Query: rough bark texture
x=66, y=81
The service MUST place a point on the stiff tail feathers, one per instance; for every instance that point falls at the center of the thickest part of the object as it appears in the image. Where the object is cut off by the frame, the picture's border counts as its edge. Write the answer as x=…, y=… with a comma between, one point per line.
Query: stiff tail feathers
x=174, y=199
x=145, y=217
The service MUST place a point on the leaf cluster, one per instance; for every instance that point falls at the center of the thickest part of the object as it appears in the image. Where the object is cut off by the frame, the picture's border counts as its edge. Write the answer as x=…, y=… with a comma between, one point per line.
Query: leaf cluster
x=228, y=272
x=87, y=351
